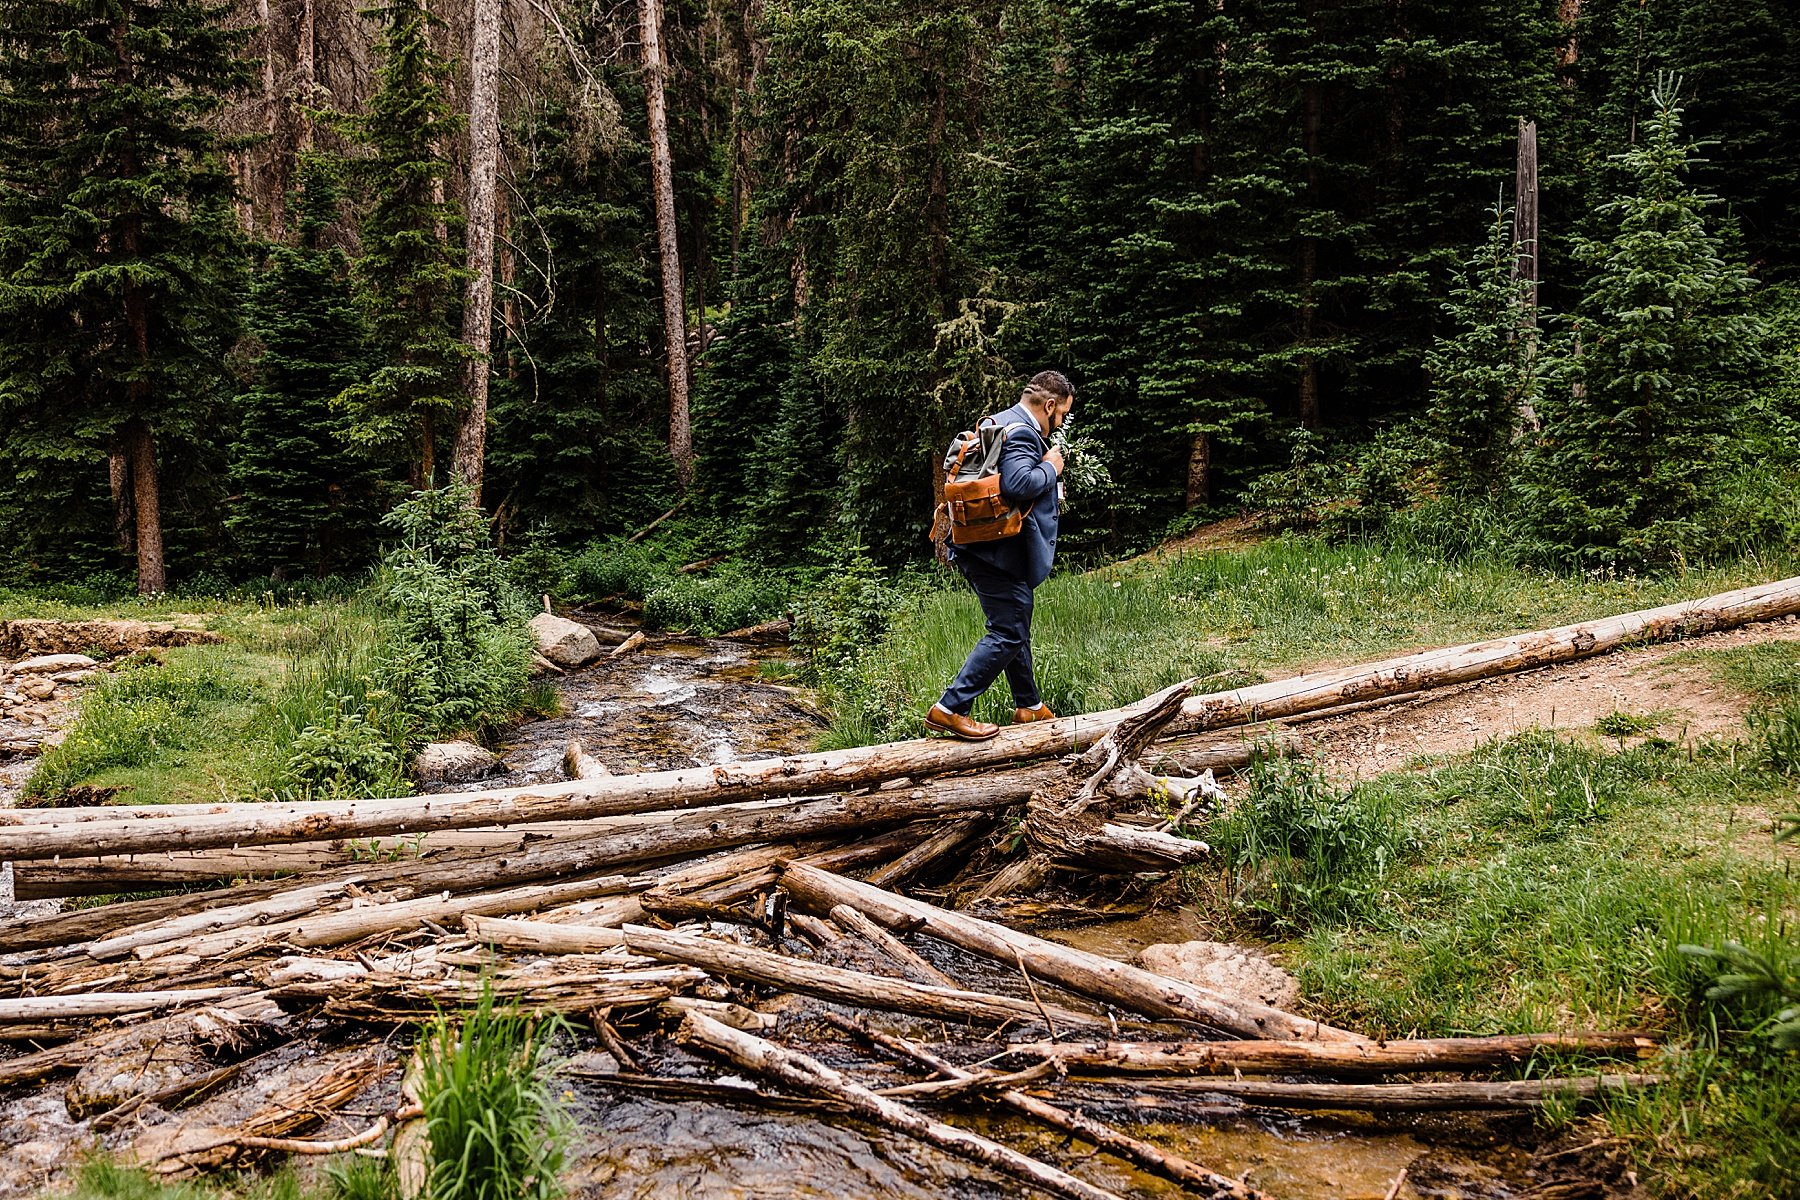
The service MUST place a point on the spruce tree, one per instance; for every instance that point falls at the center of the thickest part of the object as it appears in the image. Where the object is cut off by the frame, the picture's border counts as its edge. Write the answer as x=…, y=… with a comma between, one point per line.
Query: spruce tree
x=409, y=276
x=1484, y=370
x=305, y=498
x=1665, y=343
x=117, y=244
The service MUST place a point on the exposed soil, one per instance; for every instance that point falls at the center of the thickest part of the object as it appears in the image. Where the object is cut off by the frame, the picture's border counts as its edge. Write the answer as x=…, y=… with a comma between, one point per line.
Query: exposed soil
x=1684, y=696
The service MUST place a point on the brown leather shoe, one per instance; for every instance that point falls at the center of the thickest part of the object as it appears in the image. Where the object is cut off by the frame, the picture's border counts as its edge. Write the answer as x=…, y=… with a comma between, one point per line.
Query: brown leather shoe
x=957, y=726
x=1024, y=716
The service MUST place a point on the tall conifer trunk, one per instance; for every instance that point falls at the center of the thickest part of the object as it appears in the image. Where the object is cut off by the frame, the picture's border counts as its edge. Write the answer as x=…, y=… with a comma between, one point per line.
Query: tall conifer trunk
x=478, y=297
x=140, y=449
x=139, y=442
x=662, y=185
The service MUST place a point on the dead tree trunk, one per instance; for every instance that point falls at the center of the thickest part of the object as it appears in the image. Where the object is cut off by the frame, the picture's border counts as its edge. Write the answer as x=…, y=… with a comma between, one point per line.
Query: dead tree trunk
x=1088, y=974
x=1192, y=1175
x=1333, y=1058
x=765, y=1058
x=662, y=186
x=46, y=833
x=1525, y=266
x=478, y=297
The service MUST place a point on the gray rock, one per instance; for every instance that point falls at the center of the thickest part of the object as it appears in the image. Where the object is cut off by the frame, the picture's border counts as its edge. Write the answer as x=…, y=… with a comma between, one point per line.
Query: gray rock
x=49, y=664
x=564, y=642
x=1235, y=970
x=454, y=762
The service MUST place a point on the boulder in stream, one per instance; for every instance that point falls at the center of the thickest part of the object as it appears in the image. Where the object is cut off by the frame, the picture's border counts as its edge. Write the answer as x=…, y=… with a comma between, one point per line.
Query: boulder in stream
x=454, y=762
x=1235, y=970
x=564, y=642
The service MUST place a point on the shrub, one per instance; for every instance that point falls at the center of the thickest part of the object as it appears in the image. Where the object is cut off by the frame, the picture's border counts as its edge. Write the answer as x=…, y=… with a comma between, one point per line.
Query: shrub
x=1622, y=472
x=1484, y=372
x=618, y=568
x=494, y=1126
x=731, y=597
x=345, y=756
x=462, y=654
x=1303, y=850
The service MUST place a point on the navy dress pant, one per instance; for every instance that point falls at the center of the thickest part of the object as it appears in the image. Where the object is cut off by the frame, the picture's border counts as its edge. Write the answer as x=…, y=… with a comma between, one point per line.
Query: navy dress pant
x=1005, y=647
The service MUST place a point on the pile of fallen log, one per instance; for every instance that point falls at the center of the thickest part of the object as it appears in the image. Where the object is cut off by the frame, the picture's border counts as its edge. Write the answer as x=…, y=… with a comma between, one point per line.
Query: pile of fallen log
x=666, y=910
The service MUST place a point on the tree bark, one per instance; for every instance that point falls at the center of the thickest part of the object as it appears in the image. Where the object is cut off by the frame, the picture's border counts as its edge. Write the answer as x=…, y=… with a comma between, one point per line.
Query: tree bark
x=1525, y=266
x=763, y=1057
x=635, y=838
x=1312, y=119
x=1332, y=1058
x=808, y=976
x=662, y=187
x=1199, y=472
x=146, y=495
x=1088, y=974
x=118, y=477
x=1398, y=1097
x=110, y=1004
x=478, y=296
x=354, y=924
x=951, y=837
x=305, y=74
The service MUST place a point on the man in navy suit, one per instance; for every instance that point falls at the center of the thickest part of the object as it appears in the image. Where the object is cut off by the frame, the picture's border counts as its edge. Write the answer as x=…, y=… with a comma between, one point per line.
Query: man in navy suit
x=1005, y=573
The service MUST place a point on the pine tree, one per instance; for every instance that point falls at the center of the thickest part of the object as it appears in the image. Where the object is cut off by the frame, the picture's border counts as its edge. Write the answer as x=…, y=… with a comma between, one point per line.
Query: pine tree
x=409, y=277
x=1665, y=346
x=1484, y=371
x=117, y=243
x=306, y=499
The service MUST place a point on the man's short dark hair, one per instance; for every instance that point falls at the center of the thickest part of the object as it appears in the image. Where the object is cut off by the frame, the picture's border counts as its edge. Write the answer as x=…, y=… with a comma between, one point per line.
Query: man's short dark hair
x=1053, y=382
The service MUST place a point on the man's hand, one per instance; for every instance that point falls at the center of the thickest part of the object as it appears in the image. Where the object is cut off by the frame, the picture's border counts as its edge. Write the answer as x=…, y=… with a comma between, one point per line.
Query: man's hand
x=1054, y=457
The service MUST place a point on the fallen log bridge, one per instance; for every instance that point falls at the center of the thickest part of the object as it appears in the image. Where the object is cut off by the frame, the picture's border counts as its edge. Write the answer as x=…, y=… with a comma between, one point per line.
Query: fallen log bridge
x=44, y=834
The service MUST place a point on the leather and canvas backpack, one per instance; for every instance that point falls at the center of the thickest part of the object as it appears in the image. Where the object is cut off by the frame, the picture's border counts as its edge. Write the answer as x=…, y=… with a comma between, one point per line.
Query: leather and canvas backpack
x=972, y=498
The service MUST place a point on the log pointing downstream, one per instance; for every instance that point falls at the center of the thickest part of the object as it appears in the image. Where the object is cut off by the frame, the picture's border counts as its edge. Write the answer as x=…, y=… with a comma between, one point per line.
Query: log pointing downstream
x=177, y=827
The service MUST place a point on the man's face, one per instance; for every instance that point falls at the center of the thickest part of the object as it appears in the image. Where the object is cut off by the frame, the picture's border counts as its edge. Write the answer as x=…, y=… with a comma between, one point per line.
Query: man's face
x=1059, y=412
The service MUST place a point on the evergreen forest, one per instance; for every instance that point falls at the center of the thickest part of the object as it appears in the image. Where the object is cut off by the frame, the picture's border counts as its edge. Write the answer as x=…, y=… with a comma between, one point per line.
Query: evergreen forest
x=1518, y=272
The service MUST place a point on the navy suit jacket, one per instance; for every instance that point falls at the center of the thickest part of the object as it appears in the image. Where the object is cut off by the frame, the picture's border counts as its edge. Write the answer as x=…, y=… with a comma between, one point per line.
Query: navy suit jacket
x=1028, y=482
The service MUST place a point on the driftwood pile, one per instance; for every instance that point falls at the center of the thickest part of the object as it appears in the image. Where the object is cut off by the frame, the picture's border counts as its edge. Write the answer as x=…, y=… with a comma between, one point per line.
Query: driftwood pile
x=665, y=909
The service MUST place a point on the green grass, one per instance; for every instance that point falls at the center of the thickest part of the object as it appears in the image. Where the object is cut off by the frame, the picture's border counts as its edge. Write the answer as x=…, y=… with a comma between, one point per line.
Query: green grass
x=1228, y=617
x=231, y=721
x=495, y=1127
x=103, y=1179
x=1550, y=883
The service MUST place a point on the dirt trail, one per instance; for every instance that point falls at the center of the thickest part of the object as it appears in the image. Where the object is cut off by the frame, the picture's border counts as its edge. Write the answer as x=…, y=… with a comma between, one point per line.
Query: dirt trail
x=1685, y=696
